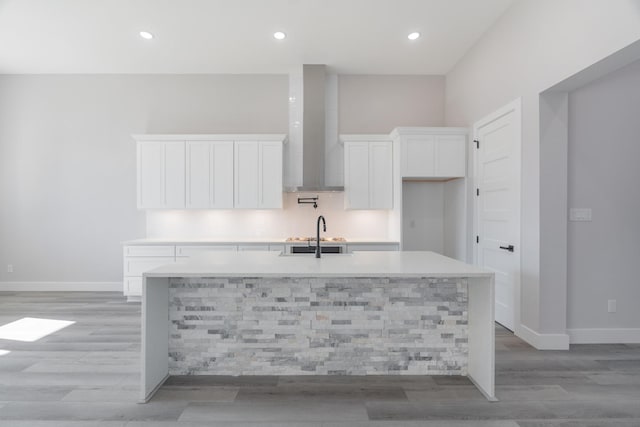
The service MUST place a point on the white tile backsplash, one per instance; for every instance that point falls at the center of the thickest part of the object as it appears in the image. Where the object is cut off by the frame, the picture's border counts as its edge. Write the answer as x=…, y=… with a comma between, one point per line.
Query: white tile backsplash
x=292, y=220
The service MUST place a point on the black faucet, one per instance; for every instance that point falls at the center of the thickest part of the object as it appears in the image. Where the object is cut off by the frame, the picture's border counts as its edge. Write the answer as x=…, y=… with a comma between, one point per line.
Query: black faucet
x=324, y=224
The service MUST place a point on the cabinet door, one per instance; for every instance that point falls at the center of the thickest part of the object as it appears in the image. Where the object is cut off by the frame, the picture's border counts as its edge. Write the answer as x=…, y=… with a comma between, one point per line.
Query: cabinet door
x=150, y=175
x=209, y=174
x=242, y=248
x=222, y=180
x=451, y=156
x=356, y=175
x=198, y=174
x=418, y=156
x=246, y=174
x=380, y=175
x=174, y=175
x=161, y=175
x=277, y=248
x=190, y=250
x=270, y=175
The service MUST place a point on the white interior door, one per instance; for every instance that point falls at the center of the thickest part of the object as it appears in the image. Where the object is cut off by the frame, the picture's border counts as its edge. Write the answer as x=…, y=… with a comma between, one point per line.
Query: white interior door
x=497, y=207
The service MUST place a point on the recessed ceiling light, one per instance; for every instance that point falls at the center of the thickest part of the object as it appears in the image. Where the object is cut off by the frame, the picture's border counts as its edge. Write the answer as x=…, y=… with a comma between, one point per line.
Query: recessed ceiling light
x=414, y=36
x=146, y=35
x=279, y=35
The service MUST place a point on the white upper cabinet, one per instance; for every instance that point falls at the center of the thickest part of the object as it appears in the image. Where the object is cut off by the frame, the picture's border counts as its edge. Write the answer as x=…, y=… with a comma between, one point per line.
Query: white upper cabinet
x=246, y=174
x=258, y=175
x=161, y=175
x=432, y=152
x=209, y=174
x=368, y=174
x=270, y=175
x=451, y=159
x=210, y=171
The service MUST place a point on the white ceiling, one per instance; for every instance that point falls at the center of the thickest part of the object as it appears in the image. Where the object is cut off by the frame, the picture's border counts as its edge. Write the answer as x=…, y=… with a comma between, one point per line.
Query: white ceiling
x=235, y=36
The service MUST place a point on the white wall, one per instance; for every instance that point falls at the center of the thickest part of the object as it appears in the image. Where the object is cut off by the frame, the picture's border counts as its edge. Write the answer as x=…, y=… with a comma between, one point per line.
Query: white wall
x=455, y=218
x=292, y=220
x=604, y=148
x=67, y=161
x=378, y=104
x=534, y=45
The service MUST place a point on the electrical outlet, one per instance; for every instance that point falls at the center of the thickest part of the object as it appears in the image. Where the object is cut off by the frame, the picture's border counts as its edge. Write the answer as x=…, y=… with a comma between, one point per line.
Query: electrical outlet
x=611, y=306
x=580, y=214
x=9, y=268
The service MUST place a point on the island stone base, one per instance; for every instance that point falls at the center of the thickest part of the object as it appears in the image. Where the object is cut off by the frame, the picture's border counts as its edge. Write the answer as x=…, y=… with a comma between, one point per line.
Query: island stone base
x=318, y=326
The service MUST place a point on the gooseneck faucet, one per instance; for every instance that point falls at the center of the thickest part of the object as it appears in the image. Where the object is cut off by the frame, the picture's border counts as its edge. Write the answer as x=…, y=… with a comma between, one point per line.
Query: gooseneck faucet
x=324, y=224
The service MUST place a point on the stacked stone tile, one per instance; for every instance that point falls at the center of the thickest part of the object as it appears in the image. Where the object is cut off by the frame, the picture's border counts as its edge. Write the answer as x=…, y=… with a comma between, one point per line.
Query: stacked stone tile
x=318, y=326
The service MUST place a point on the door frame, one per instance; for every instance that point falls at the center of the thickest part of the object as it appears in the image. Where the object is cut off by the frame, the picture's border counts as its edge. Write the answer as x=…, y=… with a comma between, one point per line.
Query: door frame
x=515, y=107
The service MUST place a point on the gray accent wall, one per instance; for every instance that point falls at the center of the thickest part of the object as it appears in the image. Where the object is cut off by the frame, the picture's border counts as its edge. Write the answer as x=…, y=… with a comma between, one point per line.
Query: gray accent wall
x=318, y=326
x=603, y=175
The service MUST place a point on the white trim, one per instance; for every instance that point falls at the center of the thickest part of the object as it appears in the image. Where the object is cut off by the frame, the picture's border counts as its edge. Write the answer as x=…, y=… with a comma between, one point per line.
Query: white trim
x=484, y=393
x=401, y=131
x=61, y=286
x=514, y=106
x=365, y=137
x=543, y=341
x=211, y=137
x=604, y=336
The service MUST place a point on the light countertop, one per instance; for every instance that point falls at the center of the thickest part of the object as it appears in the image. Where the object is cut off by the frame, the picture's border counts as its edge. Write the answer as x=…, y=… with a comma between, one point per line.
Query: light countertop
x=358, y=264
x=244, y=240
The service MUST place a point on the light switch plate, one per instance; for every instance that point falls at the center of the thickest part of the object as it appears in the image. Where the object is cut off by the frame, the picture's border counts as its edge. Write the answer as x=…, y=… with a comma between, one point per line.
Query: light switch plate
x=580, y=214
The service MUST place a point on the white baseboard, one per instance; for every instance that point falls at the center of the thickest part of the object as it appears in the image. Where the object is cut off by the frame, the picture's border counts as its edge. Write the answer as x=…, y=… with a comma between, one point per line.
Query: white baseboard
x=61, y=286
x=605, y=336
x=543, y=341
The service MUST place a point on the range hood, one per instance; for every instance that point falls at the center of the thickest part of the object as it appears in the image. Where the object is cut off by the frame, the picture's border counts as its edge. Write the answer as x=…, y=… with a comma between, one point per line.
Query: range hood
x=310, y=127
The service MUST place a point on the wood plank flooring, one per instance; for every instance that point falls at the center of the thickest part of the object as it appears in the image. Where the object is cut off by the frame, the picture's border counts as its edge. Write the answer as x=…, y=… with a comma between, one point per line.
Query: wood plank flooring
x=87, y=375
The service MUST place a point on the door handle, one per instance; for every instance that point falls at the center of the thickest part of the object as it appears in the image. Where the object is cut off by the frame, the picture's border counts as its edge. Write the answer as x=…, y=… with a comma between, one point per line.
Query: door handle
x=509, y=248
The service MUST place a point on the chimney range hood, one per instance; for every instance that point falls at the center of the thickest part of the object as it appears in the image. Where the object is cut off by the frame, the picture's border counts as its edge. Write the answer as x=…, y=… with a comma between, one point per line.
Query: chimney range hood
x=313, y=89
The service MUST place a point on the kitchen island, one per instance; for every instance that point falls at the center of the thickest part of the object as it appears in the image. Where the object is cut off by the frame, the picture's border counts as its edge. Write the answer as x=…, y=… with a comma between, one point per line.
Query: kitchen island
x=367, y=313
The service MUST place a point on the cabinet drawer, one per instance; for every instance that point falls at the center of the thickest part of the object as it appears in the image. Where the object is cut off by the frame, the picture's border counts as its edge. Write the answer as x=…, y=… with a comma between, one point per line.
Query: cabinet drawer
x=183, y=251
x=253, y=247
x=155, y=250
x=133, y=286
x=372, y=247
x=135, y=266
x=277, y=248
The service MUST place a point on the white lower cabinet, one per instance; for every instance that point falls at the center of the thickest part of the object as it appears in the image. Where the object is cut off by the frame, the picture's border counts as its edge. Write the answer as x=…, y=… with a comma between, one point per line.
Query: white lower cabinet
x=190, y=250
x=278, y=248
x=140, y=258
x=253, y=247
x=133, y=286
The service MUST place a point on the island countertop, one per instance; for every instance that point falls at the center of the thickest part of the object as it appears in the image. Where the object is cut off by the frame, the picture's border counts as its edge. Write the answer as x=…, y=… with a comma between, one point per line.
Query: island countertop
x=358, y=264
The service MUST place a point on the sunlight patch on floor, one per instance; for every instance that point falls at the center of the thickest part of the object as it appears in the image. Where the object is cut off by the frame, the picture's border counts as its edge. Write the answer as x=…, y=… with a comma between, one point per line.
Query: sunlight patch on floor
x=4, y=352
x=30, y=329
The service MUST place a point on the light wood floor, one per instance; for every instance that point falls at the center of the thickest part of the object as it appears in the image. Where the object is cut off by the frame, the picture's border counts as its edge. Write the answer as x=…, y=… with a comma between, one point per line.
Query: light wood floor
x=87, y=375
